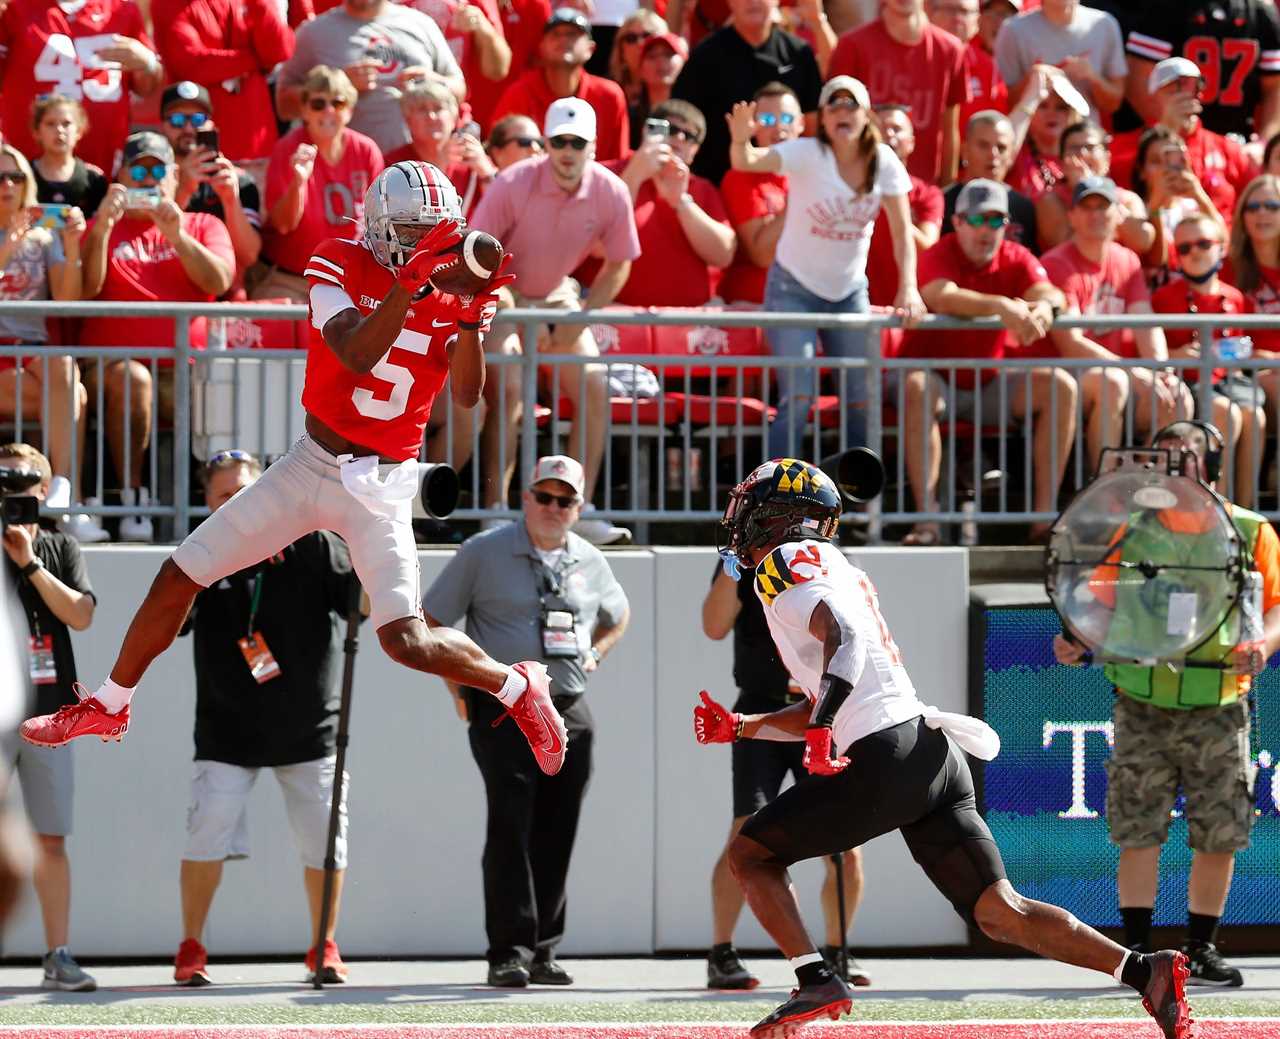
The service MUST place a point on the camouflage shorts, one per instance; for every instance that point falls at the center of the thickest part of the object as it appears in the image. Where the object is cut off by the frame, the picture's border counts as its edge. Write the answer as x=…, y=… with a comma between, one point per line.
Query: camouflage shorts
x=1203, y=751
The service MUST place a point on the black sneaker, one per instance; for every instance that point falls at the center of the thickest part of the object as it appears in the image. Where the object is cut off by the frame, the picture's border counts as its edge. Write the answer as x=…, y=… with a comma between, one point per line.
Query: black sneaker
x=854, y=974
x=725, y=970
x=1209, y=968
x=1165, y=997
x=548, y=972
x=830, y=999
x=510, y=973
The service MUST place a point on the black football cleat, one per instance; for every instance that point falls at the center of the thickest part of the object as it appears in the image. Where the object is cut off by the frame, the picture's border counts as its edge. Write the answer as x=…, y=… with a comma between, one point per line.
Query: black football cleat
x=1165, y=997
x=807, y=1003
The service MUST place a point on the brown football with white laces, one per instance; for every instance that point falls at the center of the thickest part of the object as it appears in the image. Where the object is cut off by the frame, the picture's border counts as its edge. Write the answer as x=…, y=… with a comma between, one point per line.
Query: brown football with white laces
x=478, y=256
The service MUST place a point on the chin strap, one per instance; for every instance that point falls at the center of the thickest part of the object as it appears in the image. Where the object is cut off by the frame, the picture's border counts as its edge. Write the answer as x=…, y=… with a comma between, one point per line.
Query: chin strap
x=832, y=693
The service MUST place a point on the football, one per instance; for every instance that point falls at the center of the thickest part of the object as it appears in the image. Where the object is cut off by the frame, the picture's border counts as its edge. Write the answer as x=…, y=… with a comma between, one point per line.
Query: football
x=478, y=256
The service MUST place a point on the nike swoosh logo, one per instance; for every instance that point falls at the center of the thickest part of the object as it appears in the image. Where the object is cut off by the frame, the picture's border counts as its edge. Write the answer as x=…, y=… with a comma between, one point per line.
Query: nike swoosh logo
x=784, y=69
x=552, y=743
x=440, y=324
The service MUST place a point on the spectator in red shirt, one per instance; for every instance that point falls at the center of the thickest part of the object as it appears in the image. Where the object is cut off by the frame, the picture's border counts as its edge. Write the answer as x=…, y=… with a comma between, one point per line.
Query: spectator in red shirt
x=905, y=60
x=514, y=137
x=431, y=114
x=1047, y=106
x=315, y=183
x=685, y=236
x=148, y=251
x=757, y=202
x=924, y=200
x=229, y=47
x=987, y=90
x=1238, y=409
x=662, y=58
x=58, y=123
x=522, y=22
x=976, y=273
x=1100, y=276
x=1221, y=165
x=1085, y=152
x=565, y=48
x=209, y=182
x=637, y=29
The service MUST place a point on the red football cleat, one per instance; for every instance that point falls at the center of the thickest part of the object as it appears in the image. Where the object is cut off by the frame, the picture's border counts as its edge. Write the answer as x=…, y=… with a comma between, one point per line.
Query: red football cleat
x=86, y=718
x=1165, y=997
x=538, y=718
x=333, y=971
x=191, y=963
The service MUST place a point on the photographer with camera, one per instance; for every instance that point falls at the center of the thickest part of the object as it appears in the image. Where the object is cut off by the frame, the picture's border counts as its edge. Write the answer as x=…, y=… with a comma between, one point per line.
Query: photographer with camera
x=52, y=585
x=1183, y=727
x=141, y=247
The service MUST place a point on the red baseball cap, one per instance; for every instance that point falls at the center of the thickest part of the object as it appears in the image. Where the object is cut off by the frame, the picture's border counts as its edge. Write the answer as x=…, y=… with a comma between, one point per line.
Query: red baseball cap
x=676, y=43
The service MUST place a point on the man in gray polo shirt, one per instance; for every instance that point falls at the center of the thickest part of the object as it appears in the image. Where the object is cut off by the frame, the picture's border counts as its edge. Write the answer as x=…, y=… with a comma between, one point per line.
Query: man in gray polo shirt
x=535, y=587
x=381, y=46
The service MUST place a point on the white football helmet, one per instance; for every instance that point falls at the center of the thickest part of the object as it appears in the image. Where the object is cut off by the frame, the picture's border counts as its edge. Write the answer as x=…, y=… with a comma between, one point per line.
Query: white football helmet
x=404, y=202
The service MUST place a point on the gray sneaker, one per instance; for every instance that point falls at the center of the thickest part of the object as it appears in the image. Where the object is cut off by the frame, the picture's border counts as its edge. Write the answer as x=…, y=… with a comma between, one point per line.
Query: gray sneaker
x=63, y=973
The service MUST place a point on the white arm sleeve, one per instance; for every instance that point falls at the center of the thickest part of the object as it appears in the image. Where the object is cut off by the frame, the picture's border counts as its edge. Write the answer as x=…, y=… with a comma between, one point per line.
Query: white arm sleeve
x=849, y=660
x=327, y=301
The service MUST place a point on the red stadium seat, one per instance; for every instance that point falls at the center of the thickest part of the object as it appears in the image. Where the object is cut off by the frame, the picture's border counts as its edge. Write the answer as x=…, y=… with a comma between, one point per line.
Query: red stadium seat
x=623, y=339
x=698, y=408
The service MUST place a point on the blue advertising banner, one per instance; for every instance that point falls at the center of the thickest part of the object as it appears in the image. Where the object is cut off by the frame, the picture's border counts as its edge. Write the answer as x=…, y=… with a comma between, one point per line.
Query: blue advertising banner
x=1045, y=794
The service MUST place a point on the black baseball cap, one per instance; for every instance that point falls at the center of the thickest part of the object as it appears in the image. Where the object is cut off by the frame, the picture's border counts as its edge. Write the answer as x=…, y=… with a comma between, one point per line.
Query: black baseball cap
x=185, y=93
x=148, y=143
x=568, y=16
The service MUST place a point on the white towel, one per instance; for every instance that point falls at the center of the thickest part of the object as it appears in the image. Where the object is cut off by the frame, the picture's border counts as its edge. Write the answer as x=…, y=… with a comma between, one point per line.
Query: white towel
x=972, y=735
x=386, y=489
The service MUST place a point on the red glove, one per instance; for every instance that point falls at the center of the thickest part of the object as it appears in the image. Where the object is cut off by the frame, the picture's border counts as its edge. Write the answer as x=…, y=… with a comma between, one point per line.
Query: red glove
x=712, y=723
x=475, y=313
x=818, y=751
x=429, y=256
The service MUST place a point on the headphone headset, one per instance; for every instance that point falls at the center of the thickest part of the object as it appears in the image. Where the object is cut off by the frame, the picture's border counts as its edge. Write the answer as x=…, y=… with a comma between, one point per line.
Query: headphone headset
x=1215, y=443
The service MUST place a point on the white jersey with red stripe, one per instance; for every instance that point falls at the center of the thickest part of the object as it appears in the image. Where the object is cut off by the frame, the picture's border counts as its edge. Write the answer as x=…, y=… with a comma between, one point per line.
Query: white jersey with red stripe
x=386, y=409
x=790, y=583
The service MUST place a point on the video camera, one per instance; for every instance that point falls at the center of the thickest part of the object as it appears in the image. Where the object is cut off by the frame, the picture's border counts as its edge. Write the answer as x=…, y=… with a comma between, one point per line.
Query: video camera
x=16, y=507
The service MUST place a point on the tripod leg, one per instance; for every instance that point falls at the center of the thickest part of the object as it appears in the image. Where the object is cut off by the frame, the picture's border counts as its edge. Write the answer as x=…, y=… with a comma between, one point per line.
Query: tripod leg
x=842, y=957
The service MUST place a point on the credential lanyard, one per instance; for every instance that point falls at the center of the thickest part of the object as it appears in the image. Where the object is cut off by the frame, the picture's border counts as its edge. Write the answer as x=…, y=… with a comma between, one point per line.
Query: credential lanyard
x=254, y=600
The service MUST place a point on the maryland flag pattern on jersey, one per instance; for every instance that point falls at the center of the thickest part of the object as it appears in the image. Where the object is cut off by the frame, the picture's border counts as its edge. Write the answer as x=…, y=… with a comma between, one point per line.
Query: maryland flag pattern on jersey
x=773, y=576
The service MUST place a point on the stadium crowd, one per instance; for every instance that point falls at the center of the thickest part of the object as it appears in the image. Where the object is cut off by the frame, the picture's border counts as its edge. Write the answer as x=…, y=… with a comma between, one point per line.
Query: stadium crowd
x=1008, y=158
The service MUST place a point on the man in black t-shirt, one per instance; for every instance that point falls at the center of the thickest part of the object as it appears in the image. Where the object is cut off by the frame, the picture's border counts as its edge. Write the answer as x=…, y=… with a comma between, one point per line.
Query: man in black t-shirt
x=759, y=769
x=733, y=63
x=53, y=588
x=267, y=655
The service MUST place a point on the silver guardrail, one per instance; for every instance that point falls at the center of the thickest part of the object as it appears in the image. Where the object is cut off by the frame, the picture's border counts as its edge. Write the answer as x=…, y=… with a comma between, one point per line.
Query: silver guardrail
x=662, y=439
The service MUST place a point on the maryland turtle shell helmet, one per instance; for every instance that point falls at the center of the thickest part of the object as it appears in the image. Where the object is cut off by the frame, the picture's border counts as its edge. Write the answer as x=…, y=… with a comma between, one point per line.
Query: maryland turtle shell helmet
x=786, y=499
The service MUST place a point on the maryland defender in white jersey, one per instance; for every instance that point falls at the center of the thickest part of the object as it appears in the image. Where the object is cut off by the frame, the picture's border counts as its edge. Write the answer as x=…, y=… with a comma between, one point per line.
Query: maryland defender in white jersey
x=879, y=760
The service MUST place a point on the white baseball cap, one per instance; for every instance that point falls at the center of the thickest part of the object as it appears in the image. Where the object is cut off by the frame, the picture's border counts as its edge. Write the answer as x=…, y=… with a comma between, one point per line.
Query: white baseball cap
x=573, y=116
x=855, y=88
x=1066, y=90
x=559, y=467
x=1170, y=70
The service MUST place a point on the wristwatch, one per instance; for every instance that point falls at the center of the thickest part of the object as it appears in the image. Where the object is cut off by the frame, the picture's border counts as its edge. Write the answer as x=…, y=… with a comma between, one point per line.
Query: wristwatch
x=32, y=567
x=595, y=654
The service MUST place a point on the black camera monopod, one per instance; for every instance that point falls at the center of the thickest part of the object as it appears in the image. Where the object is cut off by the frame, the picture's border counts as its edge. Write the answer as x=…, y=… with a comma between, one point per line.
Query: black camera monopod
x=437, y=498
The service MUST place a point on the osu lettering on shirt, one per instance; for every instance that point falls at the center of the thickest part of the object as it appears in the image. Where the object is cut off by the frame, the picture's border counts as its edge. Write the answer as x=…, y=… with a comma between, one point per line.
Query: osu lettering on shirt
x=1234, y=42
x=929, y=76
x=43, y=50
x=387, y=408
x=1011, y=272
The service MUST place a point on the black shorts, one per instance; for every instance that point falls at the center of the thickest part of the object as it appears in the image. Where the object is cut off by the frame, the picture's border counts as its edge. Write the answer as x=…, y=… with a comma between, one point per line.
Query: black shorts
x=908, y=777
x=761, y=766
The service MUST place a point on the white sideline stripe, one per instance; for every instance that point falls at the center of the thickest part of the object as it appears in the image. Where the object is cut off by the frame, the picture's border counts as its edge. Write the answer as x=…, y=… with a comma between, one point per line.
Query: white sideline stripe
x=602, y=1026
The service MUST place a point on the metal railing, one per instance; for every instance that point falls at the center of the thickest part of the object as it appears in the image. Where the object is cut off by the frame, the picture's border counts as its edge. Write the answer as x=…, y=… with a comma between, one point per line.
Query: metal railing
x=249, y=398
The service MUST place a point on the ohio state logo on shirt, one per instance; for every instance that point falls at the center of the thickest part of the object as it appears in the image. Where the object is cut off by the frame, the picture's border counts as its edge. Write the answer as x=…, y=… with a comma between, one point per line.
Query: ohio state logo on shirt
x=142, y=250
x=843, y=219
x=380, y=49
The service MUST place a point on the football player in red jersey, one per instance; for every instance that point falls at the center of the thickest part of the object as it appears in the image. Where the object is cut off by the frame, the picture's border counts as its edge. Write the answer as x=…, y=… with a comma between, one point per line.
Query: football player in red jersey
x=96, y=52
x=382, y=342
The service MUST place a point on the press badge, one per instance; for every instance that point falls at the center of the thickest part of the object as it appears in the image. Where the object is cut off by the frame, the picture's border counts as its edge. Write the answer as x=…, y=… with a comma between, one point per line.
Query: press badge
x=262, y=665
x=43, y=669
x=559, y=639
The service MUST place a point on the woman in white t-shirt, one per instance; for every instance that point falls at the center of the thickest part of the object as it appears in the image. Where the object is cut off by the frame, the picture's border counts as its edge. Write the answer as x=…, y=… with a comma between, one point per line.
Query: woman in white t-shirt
x=837, y=183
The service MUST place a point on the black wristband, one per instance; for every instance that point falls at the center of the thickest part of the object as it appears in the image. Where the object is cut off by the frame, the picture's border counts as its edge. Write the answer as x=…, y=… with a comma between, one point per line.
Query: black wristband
x=832, y=692
x=470, y=326
x=32, y=567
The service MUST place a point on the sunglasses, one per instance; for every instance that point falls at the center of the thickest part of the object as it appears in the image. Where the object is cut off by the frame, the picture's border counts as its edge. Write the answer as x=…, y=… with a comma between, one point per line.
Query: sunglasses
x=567, y=141
x=139, y=171
x=842, y=104
x=565, y=501
x=180, y=119
x=634, y=37
x=13, y=177
x=523, y=142
x=319, y=104
x=1203, y=244
x=770, y=119
x=683, y=134
x=991, y=220
x=1270, y=206
x=231, y=455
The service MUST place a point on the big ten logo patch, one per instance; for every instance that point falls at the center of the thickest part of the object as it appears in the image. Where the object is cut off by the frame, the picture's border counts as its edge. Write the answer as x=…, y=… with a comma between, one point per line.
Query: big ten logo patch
x=707, y=341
